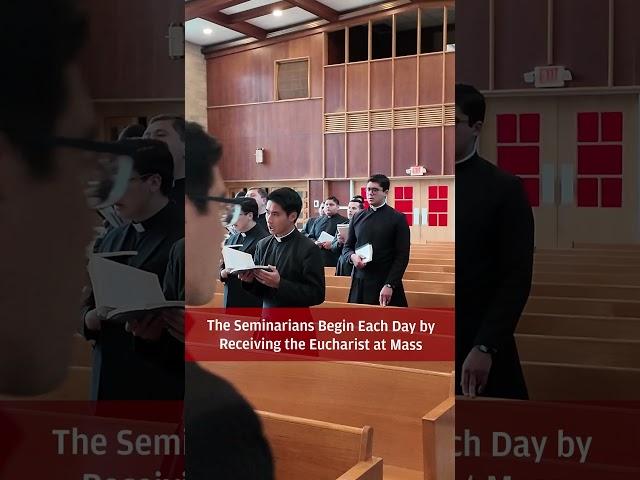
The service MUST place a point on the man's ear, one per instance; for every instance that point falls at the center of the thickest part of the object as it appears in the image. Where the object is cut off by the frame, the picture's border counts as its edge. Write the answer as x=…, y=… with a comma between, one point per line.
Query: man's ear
x=477, y=127
x=155, y=181
x=293, y=217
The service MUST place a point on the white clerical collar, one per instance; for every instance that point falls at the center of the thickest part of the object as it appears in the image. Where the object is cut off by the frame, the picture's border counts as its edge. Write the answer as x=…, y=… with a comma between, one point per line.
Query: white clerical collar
x=376, y=208
x=138, y=226
x=279, y=239
x=473, y=152
x=243, y=234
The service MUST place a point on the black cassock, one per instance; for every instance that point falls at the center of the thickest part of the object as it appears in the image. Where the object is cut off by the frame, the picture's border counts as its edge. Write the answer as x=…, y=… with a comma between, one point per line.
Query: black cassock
x=299, y=263
x=120, y=370
x=387, y=231
x=494, y=262
x=234, y=294
x=330, y=225
x=343, y=267
x=306, y=230
x=262, y=221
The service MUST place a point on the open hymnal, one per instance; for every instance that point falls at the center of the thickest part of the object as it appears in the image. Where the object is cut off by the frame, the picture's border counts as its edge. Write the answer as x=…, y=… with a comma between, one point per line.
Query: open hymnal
x=365, y=252
x=343, y=229
x=239, y=261
x=124, y=288
x=325, y=237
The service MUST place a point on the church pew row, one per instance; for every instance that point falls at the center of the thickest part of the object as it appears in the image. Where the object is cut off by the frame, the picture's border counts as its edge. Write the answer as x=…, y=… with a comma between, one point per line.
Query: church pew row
x=412, y=285
x=603, y=278
x=393, y=400
x=579, y=351
x=409, y=275
x=607, y=246
x=604, y=291
x=587, y=259
x=438, y=445
x=414, y=299
x=588, y=252
x=314, y=450
x=587, y=326
x=583, y=306
x=556, y=267
x=559, y=382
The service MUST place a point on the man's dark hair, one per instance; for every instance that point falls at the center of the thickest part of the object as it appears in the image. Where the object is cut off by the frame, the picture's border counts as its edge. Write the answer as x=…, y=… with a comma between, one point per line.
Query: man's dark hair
x=261, y=191
x=470, y=102
x=241, y=194
x=177, y=122
x=358, y=199
x=249, y=205
x=335, y=199
x=151, y=157
x=202, y=152
x=288, y=199
x=134, y=130
x=381, y=180
x=33, y=89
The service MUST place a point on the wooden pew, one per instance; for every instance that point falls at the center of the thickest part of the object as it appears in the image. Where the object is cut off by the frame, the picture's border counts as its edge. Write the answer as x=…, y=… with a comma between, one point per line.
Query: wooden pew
x=414, y=299
x=583, y=306
x=607, y=246
x=392, y=400
x=601, y=259
x=556, y=381
x=410, y=275
x=409, y=285
x=438, y=435
x=579, y=351
x=313, y=450
x=585, y=278
x=555, y=267
x=579, y=326
x=431, y=261
x=605, y=291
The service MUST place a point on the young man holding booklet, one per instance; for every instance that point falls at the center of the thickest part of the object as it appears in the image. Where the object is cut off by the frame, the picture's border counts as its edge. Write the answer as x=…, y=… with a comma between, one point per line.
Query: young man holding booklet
x=383, y=233
x=324, y=229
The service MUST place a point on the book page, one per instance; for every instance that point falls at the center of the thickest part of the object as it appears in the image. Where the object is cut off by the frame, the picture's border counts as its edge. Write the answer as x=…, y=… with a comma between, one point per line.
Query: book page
x=365, y=252
x=325, y=237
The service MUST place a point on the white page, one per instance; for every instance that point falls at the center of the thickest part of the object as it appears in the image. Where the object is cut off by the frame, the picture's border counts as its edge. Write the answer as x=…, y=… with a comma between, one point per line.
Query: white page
x=365, y=252
x=344, y=230
x=325, y=237
x=123, y=253
x=238, y=261
x=120, y=286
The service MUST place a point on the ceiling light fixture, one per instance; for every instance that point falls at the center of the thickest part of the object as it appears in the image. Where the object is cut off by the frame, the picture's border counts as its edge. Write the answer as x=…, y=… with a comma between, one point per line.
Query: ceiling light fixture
x=207, y=31
x=277, y=12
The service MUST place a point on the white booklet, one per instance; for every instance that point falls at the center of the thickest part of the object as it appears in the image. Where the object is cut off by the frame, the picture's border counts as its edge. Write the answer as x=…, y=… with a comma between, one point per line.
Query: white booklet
x=365, y=252
x=325, y=237
x=343, y=228
x=239, y=261
x=125, y=288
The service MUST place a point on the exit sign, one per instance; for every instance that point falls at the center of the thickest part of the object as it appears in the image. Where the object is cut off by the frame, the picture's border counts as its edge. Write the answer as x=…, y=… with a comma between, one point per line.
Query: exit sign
x=548, y=76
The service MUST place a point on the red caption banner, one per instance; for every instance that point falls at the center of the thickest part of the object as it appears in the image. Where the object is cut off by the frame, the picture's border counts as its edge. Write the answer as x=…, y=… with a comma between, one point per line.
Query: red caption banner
x=69, y=440
x=360, y=334
x=510, y=440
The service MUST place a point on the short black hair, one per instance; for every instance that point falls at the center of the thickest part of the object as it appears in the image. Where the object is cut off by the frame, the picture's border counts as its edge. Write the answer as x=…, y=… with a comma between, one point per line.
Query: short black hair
x=381, y=180
x=34, y=92
x=261, y=191
x=249, y=205
x=358, y=199
x=178, y=123
x=288, y=199
x=241, y=194
x=151, y=157
x=135, y=130
x=335, y=199
x=470, y=102
x=202, y=152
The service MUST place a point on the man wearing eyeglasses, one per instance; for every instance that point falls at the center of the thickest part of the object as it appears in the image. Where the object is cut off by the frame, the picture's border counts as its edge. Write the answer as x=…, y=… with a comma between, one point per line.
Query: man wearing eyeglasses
x=249, y=233
x=120, y=371
x=378, y=281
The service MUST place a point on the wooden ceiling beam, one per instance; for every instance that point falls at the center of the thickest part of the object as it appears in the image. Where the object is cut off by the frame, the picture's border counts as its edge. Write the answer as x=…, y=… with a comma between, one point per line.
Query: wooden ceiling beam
x=240, y=27
x=198, y=8
x=259, y=12
x=317, y=8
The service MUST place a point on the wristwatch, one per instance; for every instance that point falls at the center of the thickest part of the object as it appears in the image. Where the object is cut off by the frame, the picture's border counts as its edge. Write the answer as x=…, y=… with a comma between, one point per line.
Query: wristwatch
x=388, y=285
x=485, y=349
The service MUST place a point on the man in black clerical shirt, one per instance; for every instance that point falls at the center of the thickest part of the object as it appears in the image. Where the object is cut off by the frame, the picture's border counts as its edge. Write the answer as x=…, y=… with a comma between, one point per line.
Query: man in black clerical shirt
x=170, y=129
x=249, y=233
x=379, y=281
x=344, y=267
x=494, y=262
x=260, y=196
x=120, y=372
x=306, y=230
x=328, y=223
x=296, y=276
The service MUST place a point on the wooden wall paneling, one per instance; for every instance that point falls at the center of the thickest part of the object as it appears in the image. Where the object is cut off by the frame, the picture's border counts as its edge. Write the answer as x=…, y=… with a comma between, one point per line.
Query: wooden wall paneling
x=334, y=89
x=450, y=77
x=357, y=86
x=381, y=152
x=626, y=39
x=520, y=40
x=430, y=150
x=290, y=132
x=381, y=84
x=404, y=81
x=370, y=42
x=115, y=45
x=316, y=192
x=586, y=55
x=341, y=190
x=312, y=47
x=431, y=78
x=472, y=42
x=334, y=151
x=357, y=148
x=449, y=150
x=404, y=150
